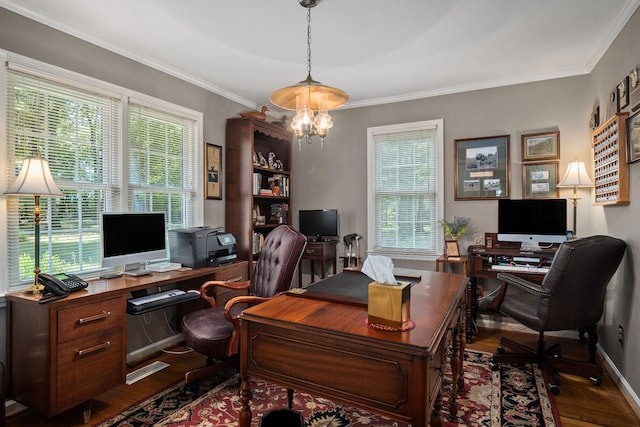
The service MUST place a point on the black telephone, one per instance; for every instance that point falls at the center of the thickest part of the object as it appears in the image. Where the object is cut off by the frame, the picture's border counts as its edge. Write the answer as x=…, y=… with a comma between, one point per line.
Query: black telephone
x=61, y=284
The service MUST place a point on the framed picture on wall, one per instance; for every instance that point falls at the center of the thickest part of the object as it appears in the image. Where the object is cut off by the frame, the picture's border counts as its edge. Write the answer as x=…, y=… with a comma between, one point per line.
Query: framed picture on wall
x=633, y=138
x=623, y=93
x=541, y=146
x=482, y=168
x=540, y=180
x=213, y=171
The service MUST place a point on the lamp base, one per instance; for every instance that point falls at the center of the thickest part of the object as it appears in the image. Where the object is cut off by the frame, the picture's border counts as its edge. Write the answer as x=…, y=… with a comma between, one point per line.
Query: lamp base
x=36, y=288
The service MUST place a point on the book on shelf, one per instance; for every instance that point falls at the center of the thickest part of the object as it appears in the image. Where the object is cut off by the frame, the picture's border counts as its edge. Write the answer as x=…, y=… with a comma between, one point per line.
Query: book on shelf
x=266, y=192
x=257, y=183
x=258, y=241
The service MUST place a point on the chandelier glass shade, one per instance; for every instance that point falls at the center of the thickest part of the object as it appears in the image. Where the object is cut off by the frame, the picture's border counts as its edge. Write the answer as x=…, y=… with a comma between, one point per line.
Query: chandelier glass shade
x=310, y=99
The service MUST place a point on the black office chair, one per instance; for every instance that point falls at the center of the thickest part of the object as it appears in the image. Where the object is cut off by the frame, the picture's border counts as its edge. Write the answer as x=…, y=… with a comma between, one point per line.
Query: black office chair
x=215, y=331
x=571, y=296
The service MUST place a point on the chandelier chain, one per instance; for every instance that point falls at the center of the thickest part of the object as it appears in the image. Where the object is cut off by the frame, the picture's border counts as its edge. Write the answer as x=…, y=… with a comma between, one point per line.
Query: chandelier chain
x=309, y=41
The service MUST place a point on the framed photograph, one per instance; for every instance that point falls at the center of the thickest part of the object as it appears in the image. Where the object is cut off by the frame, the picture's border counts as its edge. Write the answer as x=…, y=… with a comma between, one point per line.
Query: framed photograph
x=634, y=89
x=482, y=168
x=540, y=180
x=633, y=138
x=213, y=171
x=541, y=146
x=623, y=93
x=452, y=248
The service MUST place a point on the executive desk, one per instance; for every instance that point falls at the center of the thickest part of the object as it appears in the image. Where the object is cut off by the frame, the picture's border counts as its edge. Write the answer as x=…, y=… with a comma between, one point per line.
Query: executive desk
x=64, y=353
x=327, y=349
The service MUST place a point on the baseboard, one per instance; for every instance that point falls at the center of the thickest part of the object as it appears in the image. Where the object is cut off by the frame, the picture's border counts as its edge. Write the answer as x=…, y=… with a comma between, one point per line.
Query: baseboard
x=499, y=322
x=153, y=348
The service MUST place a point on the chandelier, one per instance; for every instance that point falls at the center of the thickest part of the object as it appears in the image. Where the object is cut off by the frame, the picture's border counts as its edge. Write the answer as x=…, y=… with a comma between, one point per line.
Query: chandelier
x=310, y=99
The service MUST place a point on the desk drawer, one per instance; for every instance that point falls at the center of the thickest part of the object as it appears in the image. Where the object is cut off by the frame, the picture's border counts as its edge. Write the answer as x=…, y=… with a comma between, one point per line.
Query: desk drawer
x=79, y=321
x=313, y=251
x=88, y=366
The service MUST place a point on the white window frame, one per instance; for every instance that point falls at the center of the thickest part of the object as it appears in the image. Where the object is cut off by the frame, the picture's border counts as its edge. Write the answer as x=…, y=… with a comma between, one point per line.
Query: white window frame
x=410, y=254
x=80, y=81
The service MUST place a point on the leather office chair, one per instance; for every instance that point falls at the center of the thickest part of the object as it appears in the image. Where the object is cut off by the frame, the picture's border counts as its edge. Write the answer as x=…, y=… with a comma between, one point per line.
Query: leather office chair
x=571, y=296
x=215, y=331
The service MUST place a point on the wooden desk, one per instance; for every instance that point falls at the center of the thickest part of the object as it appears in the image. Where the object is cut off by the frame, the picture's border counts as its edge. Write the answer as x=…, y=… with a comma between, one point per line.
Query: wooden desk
x=322, y=251
x=480, y=260
x=64, y=353
x=326, y=348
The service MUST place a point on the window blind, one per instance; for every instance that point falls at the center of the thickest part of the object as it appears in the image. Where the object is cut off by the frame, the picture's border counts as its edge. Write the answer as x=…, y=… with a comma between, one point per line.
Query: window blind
x=162, y=162
x=79, y=132
x=405, y=190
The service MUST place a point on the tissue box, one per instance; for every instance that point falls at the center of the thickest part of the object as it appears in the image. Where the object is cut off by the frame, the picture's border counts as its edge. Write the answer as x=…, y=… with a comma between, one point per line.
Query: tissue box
x=389, y=304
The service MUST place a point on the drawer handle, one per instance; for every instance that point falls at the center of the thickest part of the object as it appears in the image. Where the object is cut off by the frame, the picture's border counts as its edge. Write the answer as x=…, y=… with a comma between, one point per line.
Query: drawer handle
x=95, y=318
x=235, y=279
x=93, y=349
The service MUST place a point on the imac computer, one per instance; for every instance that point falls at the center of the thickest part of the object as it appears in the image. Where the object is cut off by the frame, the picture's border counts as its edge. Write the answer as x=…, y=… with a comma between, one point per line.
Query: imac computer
x=319, y=224
x=532, y=222
x=131, y=239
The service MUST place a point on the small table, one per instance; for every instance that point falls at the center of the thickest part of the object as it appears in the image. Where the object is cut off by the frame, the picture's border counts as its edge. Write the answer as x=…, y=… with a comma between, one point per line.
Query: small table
x=322, y=251
x=443, y=259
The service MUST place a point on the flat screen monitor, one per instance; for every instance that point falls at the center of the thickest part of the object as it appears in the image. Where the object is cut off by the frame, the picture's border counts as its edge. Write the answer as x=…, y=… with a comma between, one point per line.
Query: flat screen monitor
x=130, y=239
x=319, y=224
x=532, y=222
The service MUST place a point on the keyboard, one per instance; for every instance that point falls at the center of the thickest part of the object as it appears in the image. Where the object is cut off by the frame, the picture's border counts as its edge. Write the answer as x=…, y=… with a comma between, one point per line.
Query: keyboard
x=521, y=269
x=159, y=300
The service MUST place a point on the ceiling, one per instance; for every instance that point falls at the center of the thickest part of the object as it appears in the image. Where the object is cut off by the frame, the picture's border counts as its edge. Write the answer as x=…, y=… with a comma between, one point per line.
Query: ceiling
x=378, y=51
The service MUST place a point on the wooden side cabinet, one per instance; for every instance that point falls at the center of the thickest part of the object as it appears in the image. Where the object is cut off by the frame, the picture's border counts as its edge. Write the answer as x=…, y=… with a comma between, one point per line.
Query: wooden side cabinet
x=322, y=251
x=65, y=353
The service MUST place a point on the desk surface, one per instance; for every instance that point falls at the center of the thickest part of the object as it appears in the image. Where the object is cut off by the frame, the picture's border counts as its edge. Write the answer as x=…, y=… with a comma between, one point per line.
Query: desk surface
x=125, y=284
x=326, y=348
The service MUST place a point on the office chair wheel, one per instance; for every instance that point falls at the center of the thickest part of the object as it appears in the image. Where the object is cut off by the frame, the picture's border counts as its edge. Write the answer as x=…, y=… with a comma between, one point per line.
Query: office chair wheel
x=595, y=380
x=500, y=349
x=553, y=388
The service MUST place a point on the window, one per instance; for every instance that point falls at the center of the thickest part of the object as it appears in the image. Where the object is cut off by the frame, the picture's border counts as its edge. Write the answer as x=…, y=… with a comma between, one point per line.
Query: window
x=405, y=194
x=108, y=150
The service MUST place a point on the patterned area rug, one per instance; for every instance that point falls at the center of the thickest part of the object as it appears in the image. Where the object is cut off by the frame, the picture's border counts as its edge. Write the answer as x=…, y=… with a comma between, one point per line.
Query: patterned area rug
x=512, y=396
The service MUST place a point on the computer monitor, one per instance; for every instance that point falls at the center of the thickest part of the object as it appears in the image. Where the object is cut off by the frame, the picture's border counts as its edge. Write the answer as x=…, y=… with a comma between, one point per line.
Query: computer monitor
x=130, y=239
x=319, y=224
x=532, y=222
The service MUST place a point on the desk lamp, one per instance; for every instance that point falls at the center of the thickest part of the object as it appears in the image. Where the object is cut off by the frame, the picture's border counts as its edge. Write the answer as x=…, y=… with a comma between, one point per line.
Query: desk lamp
x=575, y=177
x=35, y=179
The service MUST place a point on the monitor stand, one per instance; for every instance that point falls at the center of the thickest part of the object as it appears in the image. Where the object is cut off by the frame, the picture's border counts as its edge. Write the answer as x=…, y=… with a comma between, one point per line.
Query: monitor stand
x=530, y=247
x=136, y=269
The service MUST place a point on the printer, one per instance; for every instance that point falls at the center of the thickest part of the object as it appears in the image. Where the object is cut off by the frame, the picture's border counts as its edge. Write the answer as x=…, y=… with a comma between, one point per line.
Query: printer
x=197, y=247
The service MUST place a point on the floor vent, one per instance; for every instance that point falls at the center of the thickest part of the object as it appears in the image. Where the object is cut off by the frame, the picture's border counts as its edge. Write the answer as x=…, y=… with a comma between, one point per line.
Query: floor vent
x=145, y=371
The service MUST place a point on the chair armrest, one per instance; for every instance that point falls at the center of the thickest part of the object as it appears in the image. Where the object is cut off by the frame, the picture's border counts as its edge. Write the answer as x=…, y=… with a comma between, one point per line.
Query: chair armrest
x=207, y=288
x=232, y=345
x=525, y=285
x=248, y=299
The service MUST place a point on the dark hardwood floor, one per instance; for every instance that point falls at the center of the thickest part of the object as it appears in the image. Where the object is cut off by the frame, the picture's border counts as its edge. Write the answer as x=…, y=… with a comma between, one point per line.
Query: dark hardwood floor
x=580, y=404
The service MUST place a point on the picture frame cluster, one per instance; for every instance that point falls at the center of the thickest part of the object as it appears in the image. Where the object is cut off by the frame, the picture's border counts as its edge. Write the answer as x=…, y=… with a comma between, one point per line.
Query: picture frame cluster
x=540, y=158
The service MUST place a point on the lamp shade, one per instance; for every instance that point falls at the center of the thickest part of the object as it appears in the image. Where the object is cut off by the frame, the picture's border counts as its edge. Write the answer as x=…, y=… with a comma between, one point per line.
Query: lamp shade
x=311, y=94
x=576, y=176
x=35, y=179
